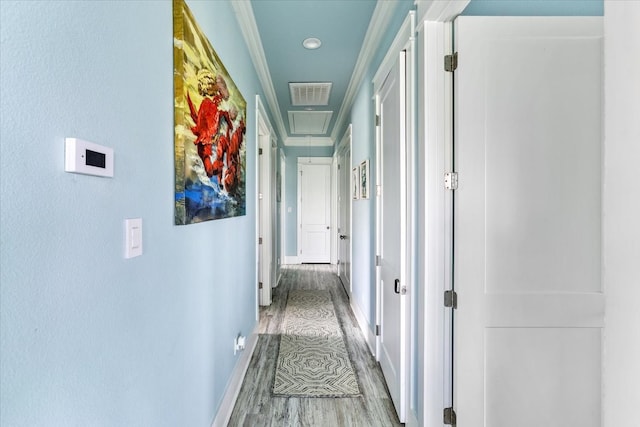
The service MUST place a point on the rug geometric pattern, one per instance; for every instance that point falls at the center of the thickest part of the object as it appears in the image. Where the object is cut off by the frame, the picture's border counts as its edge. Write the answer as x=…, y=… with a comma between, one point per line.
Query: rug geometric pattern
x=313, y=360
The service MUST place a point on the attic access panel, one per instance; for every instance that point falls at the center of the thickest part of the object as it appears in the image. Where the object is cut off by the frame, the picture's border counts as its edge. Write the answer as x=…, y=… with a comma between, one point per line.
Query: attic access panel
x=309, y=122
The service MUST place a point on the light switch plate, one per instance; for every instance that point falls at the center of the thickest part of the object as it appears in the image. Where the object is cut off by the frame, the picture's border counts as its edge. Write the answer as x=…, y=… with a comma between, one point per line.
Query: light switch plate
x=133, y=237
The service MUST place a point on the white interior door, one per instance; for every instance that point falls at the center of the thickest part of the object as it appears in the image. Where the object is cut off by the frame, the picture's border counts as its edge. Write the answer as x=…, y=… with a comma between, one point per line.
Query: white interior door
x=392, y=234
x=527, y=222
x=314, y=207
x=344, y=217
x=266, y=207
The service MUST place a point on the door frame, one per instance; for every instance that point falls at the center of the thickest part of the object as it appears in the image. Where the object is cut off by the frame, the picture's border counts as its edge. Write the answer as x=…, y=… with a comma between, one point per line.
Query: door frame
x=434, y=209
x=311, y=161
x=404, y=41
x=265, y=141
x=283, y=211
x=345, y=200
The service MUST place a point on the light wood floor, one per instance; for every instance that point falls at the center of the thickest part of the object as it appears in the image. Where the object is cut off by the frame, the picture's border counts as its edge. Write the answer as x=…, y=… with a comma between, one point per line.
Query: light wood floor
x=256, y=407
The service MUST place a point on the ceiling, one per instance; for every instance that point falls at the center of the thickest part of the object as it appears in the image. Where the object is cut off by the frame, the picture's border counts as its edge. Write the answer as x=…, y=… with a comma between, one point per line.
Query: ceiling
x=350, y=32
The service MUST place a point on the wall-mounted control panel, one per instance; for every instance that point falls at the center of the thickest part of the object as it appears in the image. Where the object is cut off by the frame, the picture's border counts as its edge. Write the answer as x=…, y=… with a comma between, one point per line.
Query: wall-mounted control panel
x=88, y=158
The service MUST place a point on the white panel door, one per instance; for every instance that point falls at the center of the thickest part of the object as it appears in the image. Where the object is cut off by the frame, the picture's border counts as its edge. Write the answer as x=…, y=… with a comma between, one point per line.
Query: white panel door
x=527, y=222
x=392, y=159
x=344, y=218
x=315, y=212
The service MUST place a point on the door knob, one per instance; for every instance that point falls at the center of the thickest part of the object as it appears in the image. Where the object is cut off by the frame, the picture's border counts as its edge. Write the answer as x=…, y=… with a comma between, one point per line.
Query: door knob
x=342, y=237
x=397, y=286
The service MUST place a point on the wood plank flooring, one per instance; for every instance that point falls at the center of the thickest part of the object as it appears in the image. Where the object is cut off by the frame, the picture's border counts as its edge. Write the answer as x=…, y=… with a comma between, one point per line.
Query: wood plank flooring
x=256, y=407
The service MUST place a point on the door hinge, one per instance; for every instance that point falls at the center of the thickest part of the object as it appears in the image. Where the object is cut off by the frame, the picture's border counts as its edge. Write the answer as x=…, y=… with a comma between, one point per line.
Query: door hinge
x=377, y=119
x=451, y=62
x=377, y=330
x=378, y=260
x=451, y=299
x=259, y=240
x=451, y=180
x=449, y=417
x=378, y=190
x=259, y=285
x=260, y=151
x=338, y=167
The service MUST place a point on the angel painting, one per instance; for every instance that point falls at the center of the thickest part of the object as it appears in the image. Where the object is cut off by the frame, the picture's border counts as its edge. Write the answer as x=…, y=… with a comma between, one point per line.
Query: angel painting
x=210, y=128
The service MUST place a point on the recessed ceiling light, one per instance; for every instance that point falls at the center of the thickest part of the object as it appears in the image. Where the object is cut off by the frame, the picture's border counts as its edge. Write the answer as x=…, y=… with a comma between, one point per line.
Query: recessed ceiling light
x=311, y=43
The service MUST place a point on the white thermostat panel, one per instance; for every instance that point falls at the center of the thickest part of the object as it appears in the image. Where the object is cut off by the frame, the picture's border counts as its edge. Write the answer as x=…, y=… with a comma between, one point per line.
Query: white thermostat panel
x=87, y=158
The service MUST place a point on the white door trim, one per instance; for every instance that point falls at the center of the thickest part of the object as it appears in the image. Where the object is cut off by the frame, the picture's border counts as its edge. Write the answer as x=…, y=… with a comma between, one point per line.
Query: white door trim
x=265, y=137
x=283, y=212
x=404, y=41
x=334, y=210
x=306, y=161
x=343, y=146
x=435, y=147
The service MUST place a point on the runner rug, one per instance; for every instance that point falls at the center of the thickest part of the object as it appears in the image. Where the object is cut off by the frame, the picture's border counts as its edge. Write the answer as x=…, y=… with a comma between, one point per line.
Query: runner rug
x=313, y=359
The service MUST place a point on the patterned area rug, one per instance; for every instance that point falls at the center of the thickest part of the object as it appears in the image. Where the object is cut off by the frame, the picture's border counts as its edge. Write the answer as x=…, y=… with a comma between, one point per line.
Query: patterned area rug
x=313, y=360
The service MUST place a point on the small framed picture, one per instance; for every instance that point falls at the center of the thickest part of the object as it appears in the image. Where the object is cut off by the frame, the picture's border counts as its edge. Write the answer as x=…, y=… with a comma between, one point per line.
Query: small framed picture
x=364, y=179
x=355, y=183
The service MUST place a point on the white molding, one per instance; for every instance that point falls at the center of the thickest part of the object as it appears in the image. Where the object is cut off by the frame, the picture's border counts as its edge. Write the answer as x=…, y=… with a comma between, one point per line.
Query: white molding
x=283, y=211
x=435, y=138
x=369, y=336
x=301, y=162
x=402, y=45
x=291, y=260
x=401, y=41
x=345, y=141
x=377, y=28
x=235, y=382
x=439, y=10
x=412, y=420
x=249, y=28
x=306, y=141
x=315, y=160
x=334, y=210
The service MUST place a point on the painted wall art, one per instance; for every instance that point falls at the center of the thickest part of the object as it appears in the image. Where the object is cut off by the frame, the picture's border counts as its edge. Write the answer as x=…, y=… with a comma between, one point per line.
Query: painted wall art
x=355, y=183
x=209, y=137
x=364, y=179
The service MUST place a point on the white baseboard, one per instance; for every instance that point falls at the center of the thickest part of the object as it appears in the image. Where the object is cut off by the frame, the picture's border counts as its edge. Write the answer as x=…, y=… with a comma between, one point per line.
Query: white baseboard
x=291, y=260
x=369, y=337
x=235, y=383
x=412, y=421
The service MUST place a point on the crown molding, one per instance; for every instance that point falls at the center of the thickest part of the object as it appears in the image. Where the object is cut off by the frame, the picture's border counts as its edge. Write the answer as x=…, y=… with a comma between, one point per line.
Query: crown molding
x=378, y=26
x=308, y=141
x=249, y=28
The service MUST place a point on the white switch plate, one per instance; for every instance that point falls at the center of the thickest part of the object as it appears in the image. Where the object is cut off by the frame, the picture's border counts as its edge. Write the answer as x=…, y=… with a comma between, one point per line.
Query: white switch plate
x=133, y=237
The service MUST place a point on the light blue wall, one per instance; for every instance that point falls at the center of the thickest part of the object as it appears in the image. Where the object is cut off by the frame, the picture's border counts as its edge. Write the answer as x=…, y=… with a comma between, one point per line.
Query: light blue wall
x=535, y=8
x=291, y=192
x=89, y=338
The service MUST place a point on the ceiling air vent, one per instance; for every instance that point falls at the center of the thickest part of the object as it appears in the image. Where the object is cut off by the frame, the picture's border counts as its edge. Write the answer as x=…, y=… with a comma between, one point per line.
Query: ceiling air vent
x=310, y=93
x=309, y=122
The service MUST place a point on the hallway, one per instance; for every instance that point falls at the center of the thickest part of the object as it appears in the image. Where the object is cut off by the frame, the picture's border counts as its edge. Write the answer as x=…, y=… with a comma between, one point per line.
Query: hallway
x=257, y=407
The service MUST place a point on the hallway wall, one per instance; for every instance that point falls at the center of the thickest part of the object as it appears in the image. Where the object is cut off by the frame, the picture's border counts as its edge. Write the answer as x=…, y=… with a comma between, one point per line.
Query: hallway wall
x=88, y=337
